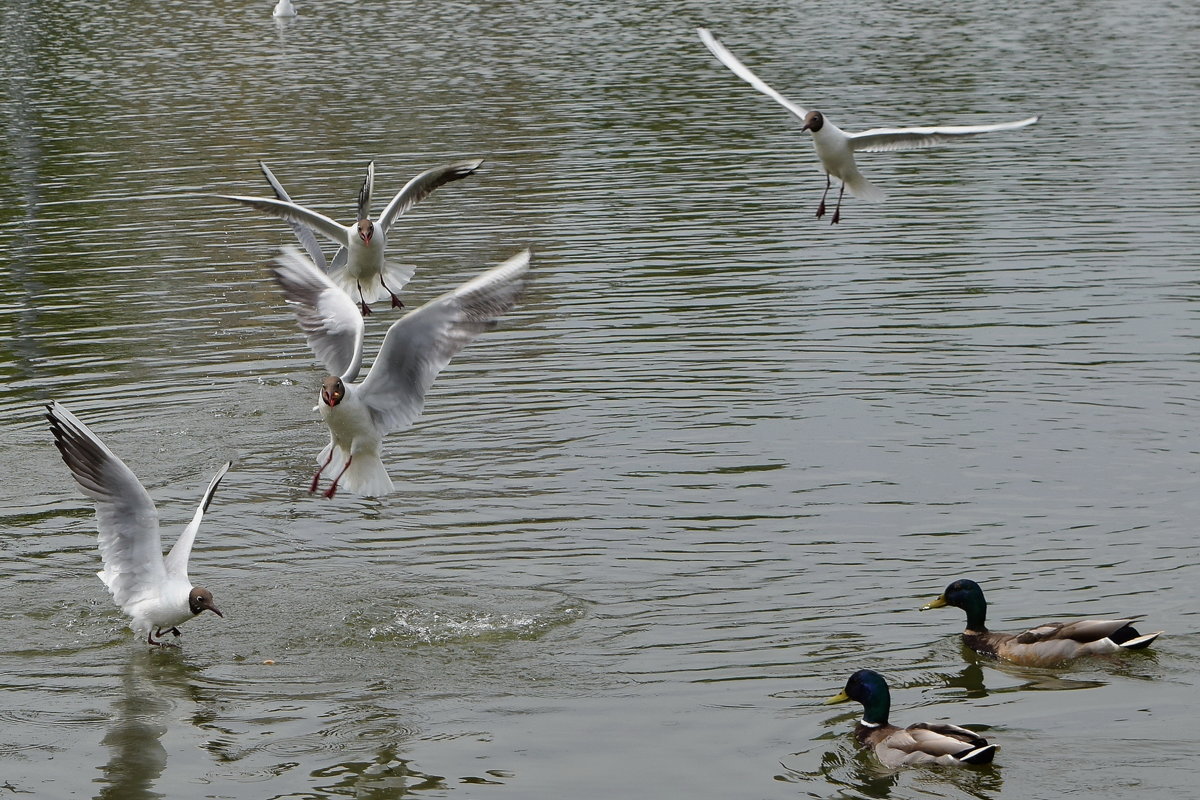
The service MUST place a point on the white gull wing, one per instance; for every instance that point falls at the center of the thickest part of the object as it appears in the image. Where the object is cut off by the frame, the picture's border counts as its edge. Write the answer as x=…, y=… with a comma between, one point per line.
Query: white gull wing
x=880, y=139
x=364, y=194
x=126, y=519
x=291, y=212
x=420, y=344
x=742, y=71
x=177, y=560
x=304, y=234
x=424, y=185
x=327, y=315
x=339, y=259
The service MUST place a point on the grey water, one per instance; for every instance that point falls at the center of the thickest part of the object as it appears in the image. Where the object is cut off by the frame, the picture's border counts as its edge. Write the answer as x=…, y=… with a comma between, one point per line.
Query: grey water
x=711, y=465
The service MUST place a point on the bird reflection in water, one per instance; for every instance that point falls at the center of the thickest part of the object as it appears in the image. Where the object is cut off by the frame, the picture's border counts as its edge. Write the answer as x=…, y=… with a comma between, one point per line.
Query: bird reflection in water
x=971, y=677
x=861, y=774
x=384, y=776
x=140, y=718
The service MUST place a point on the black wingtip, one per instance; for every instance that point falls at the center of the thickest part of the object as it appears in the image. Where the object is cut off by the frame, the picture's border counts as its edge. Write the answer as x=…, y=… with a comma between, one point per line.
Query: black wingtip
x=211, y=492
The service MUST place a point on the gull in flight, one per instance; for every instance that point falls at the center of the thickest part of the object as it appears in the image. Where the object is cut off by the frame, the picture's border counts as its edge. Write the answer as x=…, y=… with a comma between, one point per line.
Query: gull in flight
x=153, y=591
x=359, y=263
x=836, y=148
x=416, y=348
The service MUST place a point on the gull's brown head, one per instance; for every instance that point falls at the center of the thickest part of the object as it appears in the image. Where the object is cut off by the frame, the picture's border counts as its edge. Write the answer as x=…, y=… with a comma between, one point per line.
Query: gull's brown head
x=200, y=600
x=366, y=229
x=332, y=391
x=813, y=121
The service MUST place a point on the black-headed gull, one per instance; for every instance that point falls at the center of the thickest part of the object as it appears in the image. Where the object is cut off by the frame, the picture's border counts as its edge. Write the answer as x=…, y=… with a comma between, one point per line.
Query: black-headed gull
x=416, y=348
x=362, y=265
x=154, y=591
x=836, y=148
x=284, y=8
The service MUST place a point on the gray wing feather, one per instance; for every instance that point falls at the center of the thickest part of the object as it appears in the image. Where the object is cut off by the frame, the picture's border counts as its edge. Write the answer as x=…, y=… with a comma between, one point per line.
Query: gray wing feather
x=304, y=234
x=1082, y=630
x=424, y=185
x=339, y=259
x=126, y=519
x=880, y=139
x=420, y=344
x=294, y=213
x=329, y=318
x=742, y=71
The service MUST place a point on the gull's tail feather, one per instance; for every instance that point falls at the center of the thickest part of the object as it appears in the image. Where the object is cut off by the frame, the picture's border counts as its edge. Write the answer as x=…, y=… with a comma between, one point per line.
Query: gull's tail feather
x=864, y=190
x=367, y=476
x=395, y=275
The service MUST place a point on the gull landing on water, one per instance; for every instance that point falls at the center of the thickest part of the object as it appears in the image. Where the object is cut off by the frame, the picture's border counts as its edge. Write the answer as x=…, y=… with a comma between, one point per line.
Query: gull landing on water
x=284, y=8
x=416, y=348
x=836, y=148
x=359, y=263
x=155, y=592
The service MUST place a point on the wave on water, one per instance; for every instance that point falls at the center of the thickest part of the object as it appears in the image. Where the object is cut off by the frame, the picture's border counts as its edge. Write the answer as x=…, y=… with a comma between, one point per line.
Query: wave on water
x=447, y=617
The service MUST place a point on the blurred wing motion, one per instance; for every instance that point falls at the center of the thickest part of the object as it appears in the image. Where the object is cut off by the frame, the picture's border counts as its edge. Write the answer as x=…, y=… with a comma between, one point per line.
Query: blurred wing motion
x=327, y=315
x=881, y=139
x=420, y=344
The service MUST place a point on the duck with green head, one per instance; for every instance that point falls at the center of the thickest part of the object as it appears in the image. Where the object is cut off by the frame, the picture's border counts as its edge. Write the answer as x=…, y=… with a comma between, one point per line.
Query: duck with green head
x=1045, y=645
x=922, y=743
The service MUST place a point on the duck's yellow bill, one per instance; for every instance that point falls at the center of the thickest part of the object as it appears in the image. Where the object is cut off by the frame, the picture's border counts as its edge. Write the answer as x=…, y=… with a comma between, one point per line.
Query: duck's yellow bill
x=937, y=602
x=840, y=697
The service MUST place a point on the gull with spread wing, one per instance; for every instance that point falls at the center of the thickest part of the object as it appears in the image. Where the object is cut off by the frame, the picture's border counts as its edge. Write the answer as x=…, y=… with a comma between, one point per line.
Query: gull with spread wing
x=416, y=348
x=359, y=263
x=836, y=148
x=154, y=591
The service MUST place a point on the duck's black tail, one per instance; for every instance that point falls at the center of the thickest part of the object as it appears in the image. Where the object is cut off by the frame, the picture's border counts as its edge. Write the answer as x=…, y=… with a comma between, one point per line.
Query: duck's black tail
x=977, y=755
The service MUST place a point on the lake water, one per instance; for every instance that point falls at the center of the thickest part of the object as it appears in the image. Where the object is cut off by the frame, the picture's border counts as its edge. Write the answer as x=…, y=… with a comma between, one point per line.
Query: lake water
x=710, y=466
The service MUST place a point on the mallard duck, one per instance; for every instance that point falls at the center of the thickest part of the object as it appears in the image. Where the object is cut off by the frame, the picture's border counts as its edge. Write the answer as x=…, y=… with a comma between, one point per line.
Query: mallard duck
x=1044, y=645
x=922, y=743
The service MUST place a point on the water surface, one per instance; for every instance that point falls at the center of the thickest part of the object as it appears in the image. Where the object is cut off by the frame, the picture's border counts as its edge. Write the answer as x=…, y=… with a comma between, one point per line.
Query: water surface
x=710, y=466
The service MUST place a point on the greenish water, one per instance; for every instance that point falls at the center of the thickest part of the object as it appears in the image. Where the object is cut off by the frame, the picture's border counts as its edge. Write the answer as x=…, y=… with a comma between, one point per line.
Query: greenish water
x=711, y=466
